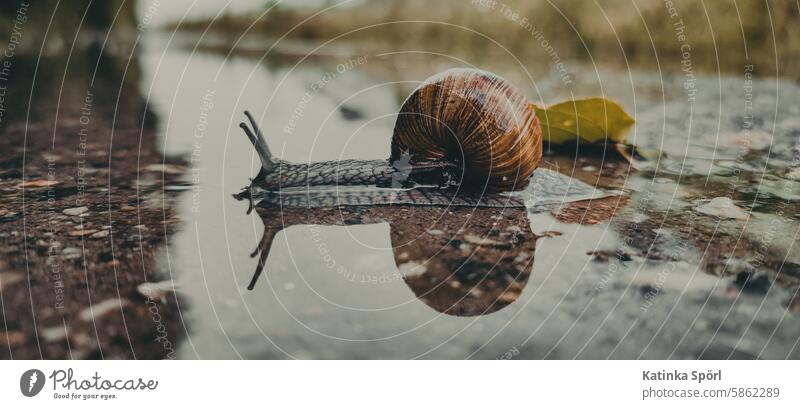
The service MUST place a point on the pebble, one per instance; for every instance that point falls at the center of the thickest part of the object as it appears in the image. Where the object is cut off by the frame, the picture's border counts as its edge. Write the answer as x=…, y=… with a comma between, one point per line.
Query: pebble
x=38, y=183
x=100, y=309
x=76, y=211
x=81, y=233
x=480, y=241
x=54, y=334
x=101, y=234
x=412, y=268
x=81, y=340
x=70, y=253
x=508, y=297
x=723, y=208
x=166, y=168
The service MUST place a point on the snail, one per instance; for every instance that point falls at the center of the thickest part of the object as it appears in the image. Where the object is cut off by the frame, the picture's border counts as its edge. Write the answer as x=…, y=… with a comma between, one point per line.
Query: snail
x=466, y=130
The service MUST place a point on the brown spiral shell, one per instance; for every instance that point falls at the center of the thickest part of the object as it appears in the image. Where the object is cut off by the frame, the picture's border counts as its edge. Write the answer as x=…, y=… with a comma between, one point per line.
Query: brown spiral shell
x=477, y=120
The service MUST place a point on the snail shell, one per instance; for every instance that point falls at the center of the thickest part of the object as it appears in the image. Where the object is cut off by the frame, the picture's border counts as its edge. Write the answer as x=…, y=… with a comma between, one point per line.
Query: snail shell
x=477, y=120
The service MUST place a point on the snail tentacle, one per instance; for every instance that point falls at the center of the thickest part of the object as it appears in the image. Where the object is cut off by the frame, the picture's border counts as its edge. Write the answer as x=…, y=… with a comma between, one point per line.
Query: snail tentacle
x=257, y=139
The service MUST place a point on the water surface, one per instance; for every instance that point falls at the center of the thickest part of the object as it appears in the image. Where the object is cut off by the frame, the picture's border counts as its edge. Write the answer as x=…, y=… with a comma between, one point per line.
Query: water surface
x=656, y=278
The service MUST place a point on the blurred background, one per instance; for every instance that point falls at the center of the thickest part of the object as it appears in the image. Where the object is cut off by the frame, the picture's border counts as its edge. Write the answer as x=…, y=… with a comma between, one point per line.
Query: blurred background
x=618, y=32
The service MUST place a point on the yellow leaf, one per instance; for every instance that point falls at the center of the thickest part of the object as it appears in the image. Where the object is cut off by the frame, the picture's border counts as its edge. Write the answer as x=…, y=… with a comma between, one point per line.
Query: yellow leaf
x=593, y=120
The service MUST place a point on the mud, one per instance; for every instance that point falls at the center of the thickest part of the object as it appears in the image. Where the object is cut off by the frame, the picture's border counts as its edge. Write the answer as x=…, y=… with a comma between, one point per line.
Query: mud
x=85, y=208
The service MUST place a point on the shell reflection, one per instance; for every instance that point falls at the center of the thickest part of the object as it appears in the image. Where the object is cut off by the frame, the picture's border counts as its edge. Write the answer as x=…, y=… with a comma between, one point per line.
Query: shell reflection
x=458, y=261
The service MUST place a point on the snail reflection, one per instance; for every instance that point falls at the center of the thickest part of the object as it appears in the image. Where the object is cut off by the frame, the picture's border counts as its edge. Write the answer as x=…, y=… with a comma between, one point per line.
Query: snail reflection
x=459, y=261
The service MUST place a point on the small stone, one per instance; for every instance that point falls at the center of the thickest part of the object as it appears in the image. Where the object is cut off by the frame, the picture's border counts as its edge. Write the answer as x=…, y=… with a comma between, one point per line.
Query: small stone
x=81, y=340
x=723, y=208
x=54, y=334
x=100, y=309
x=480, y=241
x=81, y=233
x=76, y=211
x=38, y=183
x=70, y=253
x=523, y=257
x=127, y=208
x=508, y=297
x=412, y=268
x=165, y=168
x=101, y=234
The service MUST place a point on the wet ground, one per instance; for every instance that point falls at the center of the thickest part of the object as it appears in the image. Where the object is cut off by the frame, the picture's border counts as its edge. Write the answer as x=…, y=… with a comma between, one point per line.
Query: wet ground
x=692, y=257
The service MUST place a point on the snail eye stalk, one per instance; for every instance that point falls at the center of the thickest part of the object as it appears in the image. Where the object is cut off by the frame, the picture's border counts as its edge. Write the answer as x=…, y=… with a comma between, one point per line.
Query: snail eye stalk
x=259, y=143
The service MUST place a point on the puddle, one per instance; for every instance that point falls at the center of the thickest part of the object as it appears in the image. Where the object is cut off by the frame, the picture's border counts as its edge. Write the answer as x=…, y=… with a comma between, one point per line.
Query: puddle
x=410, y=282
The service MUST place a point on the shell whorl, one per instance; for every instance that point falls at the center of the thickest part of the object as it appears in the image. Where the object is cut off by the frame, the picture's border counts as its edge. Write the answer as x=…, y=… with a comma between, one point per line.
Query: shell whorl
x=477, y=120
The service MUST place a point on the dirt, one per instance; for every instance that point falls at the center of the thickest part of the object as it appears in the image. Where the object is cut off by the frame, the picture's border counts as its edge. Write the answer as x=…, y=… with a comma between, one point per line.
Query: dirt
x=83, y=220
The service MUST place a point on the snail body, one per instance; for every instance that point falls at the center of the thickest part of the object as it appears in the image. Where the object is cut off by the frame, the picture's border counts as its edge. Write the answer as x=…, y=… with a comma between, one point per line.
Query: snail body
x=463, y=125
